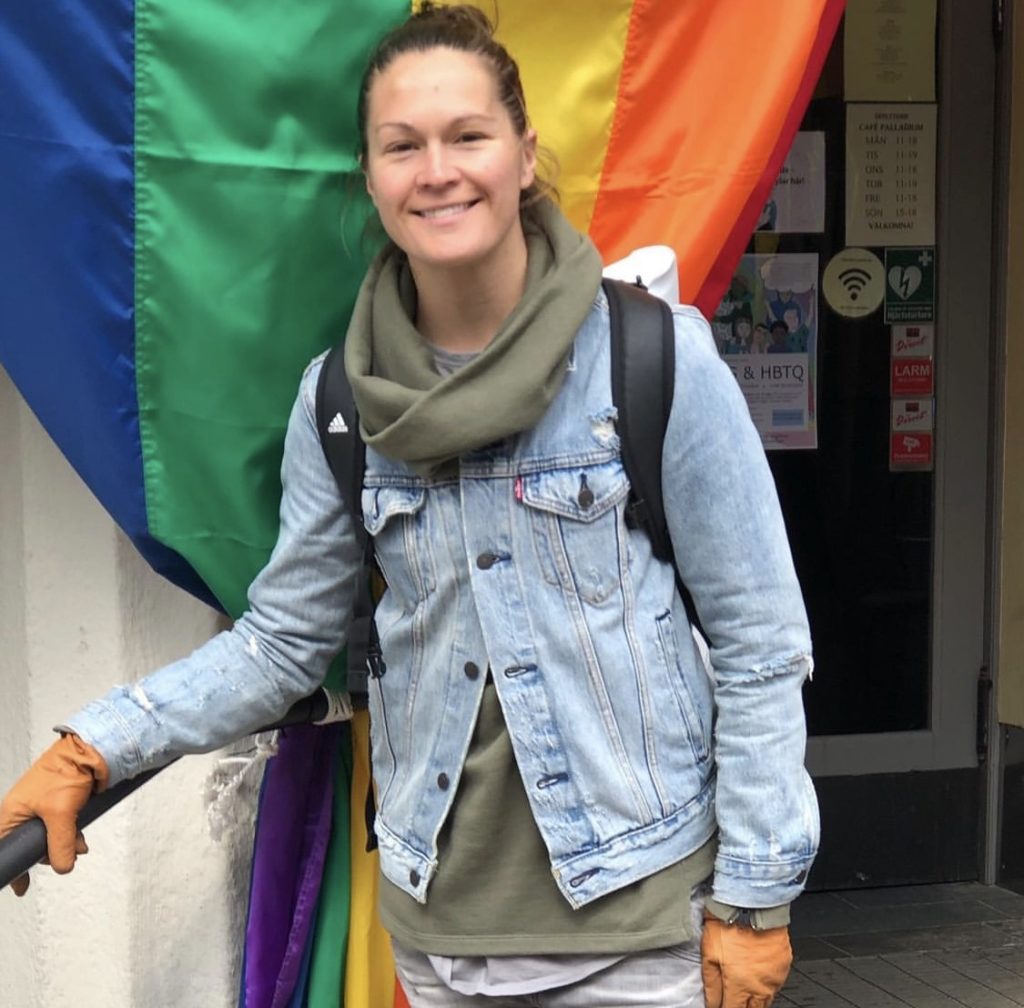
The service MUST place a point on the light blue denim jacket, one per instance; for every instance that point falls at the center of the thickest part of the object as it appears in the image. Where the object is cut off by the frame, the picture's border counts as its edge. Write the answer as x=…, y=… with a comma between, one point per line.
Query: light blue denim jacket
x=630, y=752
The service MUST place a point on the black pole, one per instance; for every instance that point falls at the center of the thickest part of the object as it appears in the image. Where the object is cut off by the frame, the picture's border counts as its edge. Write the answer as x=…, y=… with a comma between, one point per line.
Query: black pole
x=23, y=847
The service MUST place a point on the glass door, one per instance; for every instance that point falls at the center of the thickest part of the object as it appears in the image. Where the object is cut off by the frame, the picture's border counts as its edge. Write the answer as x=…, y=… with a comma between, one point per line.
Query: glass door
x=887, y=509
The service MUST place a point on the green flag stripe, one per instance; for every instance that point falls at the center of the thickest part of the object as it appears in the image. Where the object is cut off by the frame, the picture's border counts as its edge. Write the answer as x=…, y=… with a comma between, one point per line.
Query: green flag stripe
x=330, y=939
x=246, y=180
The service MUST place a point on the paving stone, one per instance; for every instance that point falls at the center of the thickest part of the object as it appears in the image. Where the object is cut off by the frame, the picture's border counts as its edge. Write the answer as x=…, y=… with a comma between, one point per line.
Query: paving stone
x=838, y=978
x=901, y=983
x=986, y=971
x=838, y=920
x=936, y=971
x=811, y=949
x=894, y=896
x=804, y=992
x=1010, y=958
x=935, y=946
x=950, y=938
x=1009, y=903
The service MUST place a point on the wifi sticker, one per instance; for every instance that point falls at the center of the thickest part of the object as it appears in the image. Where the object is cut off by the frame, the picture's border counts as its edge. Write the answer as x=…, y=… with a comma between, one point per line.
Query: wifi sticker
x=854, y=283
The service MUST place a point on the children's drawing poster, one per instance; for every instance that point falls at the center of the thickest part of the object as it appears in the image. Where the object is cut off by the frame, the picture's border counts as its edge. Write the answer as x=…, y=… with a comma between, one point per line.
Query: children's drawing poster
x=766, y=329
x=797, y=200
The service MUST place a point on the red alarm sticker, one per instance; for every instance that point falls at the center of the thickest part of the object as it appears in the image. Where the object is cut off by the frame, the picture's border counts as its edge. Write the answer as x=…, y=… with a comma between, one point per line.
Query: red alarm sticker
x=911, y=448
x=913, y=377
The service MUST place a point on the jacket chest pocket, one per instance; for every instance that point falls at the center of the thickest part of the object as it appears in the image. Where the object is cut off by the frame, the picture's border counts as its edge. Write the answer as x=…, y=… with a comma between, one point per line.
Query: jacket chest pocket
x=577, y=529
x=398, y=518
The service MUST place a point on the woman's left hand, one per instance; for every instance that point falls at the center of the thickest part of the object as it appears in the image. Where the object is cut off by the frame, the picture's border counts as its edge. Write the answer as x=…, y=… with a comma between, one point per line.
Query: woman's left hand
x=741, y=967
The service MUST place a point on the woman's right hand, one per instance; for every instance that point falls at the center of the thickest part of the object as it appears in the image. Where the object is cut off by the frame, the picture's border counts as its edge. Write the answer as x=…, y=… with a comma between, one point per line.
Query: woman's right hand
x=55, y=789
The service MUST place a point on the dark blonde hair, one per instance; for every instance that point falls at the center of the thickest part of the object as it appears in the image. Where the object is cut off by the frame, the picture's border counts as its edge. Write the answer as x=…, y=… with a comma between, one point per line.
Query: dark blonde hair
x=465, y=29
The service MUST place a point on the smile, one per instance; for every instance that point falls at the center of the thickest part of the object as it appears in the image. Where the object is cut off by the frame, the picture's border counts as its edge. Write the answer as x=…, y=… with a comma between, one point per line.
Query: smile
x=446, y=211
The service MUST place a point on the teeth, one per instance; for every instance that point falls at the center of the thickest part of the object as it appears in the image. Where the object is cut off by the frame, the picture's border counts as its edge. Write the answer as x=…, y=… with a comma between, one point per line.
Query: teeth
x=445, y=211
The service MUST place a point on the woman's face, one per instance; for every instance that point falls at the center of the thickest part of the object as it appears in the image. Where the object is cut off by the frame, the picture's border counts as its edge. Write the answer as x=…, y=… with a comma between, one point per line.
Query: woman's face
x=444, y=166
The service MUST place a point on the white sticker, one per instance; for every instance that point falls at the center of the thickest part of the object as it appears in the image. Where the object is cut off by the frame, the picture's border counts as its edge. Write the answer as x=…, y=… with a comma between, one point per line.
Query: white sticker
x=913, y=341
x=913, y=415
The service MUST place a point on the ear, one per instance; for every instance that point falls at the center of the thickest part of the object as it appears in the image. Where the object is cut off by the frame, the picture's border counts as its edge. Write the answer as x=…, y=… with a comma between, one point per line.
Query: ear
x=529, y=166
x=369, y=187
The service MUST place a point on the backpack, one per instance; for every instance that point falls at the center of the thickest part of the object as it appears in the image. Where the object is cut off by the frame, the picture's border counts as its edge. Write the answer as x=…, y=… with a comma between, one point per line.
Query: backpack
x=643, y=372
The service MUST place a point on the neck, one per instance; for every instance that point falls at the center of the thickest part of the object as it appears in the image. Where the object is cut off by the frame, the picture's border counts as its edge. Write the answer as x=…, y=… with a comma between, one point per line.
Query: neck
x=462, y=309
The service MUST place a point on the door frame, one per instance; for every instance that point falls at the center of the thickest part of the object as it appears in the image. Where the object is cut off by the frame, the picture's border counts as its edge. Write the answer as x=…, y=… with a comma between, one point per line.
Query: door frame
x=966, y=71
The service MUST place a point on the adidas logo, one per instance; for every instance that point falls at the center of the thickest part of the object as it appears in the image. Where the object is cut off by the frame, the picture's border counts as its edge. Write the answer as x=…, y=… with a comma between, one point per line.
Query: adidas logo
x=337, y=425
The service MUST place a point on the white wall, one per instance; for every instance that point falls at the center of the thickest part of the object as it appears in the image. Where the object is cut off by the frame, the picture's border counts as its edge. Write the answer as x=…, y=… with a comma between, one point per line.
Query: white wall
x=154, y=915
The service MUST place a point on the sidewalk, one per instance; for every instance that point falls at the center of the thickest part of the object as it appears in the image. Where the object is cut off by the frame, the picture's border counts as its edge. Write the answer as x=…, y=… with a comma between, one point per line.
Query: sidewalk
x=935, y=946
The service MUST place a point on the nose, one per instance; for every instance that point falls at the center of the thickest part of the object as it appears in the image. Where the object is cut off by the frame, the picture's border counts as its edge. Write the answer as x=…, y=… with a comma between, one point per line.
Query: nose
x=438, y=167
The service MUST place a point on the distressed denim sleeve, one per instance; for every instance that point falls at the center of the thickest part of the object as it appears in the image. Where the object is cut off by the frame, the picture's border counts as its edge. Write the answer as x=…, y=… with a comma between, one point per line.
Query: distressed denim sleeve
x=733, y=555
x=276, y=653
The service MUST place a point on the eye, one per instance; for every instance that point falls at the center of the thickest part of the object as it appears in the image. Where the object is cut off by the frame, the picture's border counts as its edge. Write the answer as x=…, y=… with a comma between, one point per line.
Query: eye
x=398, y=147
x=470, y=137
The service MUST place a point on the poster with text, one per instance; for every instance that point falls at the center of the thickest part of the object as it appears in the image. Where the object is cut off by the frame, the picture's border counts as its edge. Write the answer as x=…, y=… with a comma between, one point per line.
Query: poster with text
x=889, y=50
x=766, y=330
x=890, y=175
x=797, y=202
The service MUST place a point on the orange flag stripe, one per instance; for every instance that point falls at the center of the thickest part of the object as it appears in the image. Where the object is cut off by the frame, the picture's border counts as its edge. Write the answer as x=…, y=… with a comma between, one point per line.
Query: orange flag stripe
x=704, y=93
x=718, y=280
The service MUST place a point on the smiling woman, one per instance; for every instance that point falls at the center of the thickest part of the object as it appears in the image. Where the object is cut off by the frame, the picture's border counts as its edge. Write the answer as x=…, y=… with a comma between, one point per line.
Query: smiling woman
x=541, y=829
x=446, y=169
x=556, y=819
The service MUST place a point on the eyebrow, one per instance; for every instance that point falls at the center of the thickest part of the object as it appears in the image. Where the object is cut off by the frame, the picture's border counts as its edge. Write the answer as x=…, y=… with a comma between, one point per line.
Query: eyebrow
x=458, y=121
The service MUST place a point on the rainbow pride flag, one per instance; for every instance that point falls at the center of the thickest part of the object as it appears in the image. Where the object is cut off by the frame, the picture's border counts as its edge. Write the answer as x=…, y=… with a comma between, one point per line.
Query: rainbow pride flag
x=183, y=230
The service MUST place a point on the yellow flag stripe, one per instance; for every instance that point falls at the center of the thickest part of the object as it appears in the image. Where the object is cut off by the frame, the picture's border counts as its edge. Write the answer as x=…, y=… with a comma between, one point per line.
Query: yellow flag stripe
x=370, y=966
x=571, y=100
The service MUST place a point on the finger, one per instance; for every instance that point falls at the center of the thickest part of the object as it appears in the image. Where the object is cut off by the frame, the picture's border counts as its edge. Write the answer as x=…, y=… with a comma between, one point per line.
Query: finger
x=20, y=885
x=711, y=976
x=60, y=843
x=13, y=815
x=81, y=847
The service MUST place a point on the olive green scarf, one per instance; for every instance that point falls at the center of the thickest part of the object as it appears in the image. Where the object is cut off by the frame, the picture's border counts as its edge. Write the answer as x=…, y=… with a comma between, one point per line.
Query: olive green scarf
x=410, y=412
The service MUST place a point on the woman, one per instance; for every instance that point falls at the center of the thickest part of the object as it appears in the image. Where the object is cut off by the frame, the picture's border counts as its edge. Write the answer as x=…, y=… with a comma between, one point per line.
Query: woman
x=563, y=791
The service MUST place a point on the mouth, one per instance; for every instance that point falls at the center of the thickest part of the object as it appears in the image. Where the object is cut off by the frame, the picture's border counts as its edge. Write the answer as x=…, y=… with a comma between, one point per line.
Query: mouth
x=440, y=213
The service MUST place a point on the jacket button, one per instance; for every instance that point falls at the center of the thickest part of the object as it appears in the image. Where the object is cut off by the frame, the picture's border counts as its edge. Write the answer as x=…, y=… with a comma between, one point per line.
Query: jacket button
x=586, y=498
x=442, y=781
x=486, y=561
x=414, y=877
x=471, y=669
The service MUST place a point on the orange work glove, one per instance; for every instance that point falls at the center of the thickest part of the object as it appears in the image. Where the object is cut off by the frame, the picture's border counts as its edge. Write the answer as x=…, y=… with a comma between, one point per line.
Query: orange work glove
x=741, y=967
x=55, y=788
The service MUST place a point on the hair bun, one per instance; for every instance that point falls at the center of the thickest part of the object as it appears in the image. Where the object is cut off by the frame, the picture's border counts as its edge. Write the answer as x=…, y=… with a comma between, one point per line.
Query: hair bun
x=454, y=14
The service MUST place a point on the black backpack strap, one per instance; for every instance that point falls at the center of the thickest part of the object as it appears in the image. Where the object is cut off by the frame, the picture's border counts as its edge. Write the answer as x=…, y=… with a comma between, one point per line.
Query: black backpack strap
x=643, y=377
x=337, y=423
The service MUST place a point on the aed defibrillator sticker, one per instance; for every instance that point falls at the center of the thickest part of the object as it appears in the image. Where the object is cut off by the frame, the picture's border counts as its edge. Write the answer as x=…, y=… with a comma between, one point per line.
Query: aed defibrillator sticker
x=909, y=285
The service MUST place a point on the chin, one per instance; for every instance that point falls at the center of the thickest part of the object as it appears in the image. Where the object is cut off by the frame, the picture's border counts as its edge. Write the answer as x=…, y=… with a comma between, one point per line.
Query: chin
x=454, y=258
